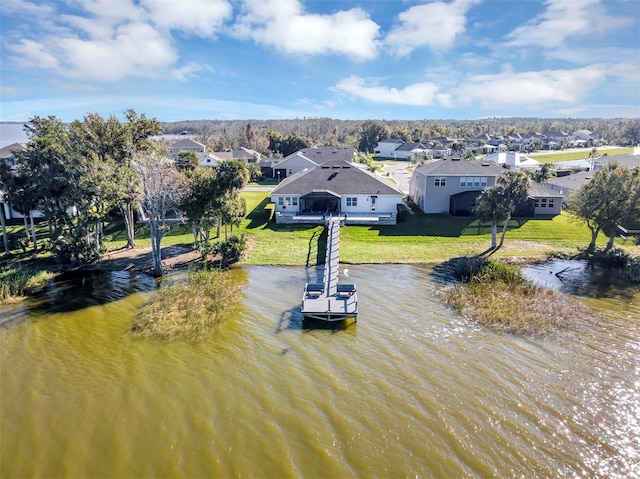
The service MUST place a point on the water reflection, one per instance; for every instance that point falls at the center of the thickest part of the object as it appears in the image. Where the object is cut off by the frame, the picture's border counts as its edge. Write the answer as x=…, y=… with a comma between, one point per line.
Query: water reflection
x=581, y=278
x=77, y=290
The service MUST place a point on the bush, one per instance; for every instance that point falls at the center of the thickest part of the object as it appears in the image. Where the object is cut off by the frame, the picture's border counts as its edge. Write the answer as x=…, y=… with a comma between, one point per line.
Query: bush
x=230, y=251
x=188, y=311
x=402, y=213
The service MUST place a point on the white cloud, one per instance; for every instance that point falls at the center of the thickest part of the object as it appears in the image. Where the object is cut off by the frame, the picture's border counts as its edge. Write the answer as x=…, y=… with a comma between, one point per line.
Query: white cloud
x=199, y=17
x=535, y=89
x=435, y=25
x=283, y=24
x=135, y=49
x=32, y=54
x=418, y=94
x=565, y=19
x=108, y=40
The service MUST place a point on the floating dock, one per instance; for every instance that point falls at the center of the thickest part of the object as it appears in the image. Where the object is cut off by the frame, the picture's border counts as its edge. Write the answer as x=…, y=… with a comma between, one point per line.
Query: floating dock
x=329, y=300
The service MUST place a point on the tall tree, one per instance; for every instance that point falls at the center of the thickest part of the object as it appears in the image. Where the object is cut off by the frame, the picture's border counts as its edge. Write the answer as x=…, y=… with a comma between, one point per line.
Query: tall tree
x=610, y=199
x=202, y=202
x=516, y=190
x=163, y=187
x=371, y=132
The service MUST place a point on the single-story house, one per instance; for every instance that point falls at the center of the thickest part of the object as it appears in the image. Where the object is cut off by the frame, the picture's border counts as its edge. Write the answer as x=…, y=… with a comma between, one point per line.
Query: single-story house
x=542, y=201
x=336, y=188
x=320, y=154
x=565, y=185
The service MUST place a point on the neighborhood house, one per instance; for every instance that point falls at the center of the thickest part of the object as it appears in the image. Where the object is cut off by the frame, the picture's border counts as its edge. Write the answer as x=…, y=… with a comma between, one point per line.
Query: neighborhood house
x=332, y=188
x=452, y=186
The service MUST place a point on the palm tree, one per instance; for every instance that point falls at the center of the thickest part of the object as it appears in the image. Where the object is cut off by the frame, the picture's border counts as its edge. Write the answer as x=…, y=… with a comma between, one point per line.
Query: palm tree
x=497, y=204
x=493, y=207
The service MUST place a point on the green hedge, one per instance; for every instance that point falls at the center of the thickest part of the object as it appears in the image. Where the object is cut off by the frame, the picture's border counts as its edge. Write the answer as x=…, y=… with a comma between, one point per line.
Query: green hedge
x=402, y=213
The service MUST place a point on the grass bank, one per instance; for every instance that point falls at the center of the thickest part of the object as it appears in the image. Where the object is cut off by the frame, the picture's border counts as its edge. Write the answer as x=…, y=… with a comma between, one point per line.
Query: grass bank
x=18, y=281
x=188, y=311
x=498, y=296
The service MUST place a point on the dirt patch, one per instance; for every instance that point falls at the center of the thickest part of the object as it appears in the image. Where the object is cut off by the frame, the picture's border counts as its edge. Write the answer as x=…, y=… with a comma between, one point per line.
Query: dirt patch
x=139, y=260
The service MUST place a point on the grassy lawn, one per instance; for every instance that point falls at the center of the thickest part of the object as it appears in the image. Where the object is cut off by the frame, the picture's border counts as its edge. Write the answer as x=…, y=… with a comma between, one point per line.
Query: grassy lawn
x=576, y=155
x=421, y=239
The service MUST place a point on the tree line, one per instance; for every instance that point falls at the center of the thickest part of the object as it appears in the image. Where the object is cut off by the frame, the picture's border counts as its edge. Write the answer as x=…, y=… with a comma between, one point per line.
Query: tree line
x=364, y=135
x=78, y=175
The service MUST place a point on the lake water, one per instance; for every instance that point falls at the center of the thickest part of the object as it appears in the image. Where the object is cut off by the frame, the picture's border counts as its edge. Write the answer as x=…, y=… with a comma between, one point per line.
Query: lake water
x=410, y=390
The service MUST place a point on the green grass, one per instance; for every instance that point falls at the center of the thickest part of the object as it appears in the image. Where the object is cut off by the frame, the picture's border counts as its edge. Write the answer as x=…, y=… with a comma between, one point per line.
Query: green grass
x=577, y=155
x=422, y=239
x=17, y=281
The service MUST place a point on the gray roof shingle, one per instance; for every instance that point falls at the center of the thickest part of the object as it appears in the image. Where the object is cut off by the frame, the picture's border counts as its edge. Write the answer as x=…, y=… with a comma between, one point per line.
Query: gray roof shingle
x=340, y=177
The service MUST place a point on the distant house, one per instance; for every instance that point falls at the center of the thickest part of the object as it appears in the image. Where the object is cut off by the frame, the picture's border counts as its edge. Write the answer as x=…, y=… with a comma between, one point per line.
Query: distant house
x=336, y=188
x=320, y=154
x=513, y=160
x=186, y=145
x=284, y=167
x=385, y=148
x=246, y=155
x=452, y=186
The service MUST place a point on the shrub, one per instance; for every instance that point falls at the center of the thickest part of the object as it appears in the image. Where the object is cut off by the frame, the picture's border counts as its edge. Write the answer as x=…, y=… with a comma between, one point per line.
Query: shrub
x=188, y=311
x=230, y=251
x=402, y=213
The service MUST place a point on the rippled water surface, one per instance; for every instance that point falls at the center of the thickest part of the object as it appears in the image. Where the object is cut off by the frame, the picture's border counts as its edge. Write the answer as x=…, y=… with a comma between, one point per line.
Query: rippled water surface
x=410, y=390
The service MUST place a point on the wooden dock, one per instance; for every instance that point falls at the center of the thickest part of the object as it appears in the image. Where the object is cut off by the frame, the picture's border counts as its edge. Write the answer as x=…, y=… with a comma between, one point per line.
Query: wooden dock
x=330, y=300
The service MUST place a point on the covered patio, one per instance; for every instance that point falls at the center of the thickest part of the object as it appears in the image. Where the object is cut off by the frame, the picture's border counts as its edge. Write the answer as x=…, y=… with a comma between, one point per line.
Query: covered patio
x=320, y=202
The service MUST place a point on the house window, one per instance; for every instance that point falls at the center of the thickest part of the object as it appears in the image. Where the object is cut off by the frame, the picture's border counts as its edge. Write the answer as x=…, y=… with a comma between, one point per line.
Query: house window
x=294, y=201
x=537, y=203
x=287, y=200
x=483, y=181
x=463, y=181
x=280, y=201
x=440, y=181
x=550, y=203
x=352, y=201
x=543, y=203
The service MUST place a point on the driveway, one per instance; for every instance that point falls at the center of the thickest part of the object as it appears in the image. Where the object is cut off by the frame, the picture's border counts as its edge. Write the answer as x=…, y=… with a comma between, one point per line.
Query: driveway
x=397, y=171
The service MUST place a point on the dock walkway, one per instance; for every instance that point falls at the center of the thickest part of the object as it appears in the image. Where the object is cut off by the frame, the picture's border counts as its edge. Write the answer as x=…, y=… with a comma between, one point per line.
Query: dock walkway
x=330, y=300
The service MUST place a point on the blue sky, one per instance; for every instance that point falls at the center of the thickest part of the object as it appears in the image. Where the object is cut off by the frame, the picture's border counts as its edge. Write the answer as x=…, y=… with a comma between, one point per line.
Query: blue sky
x=368, y=59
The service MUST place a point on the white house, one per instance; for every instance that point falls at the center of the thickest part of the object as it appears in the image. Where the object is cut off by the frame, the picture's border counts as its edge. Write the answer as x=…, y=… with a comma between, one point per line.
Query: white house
x=512, y=160
x=385, y=148
x=336, y=188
